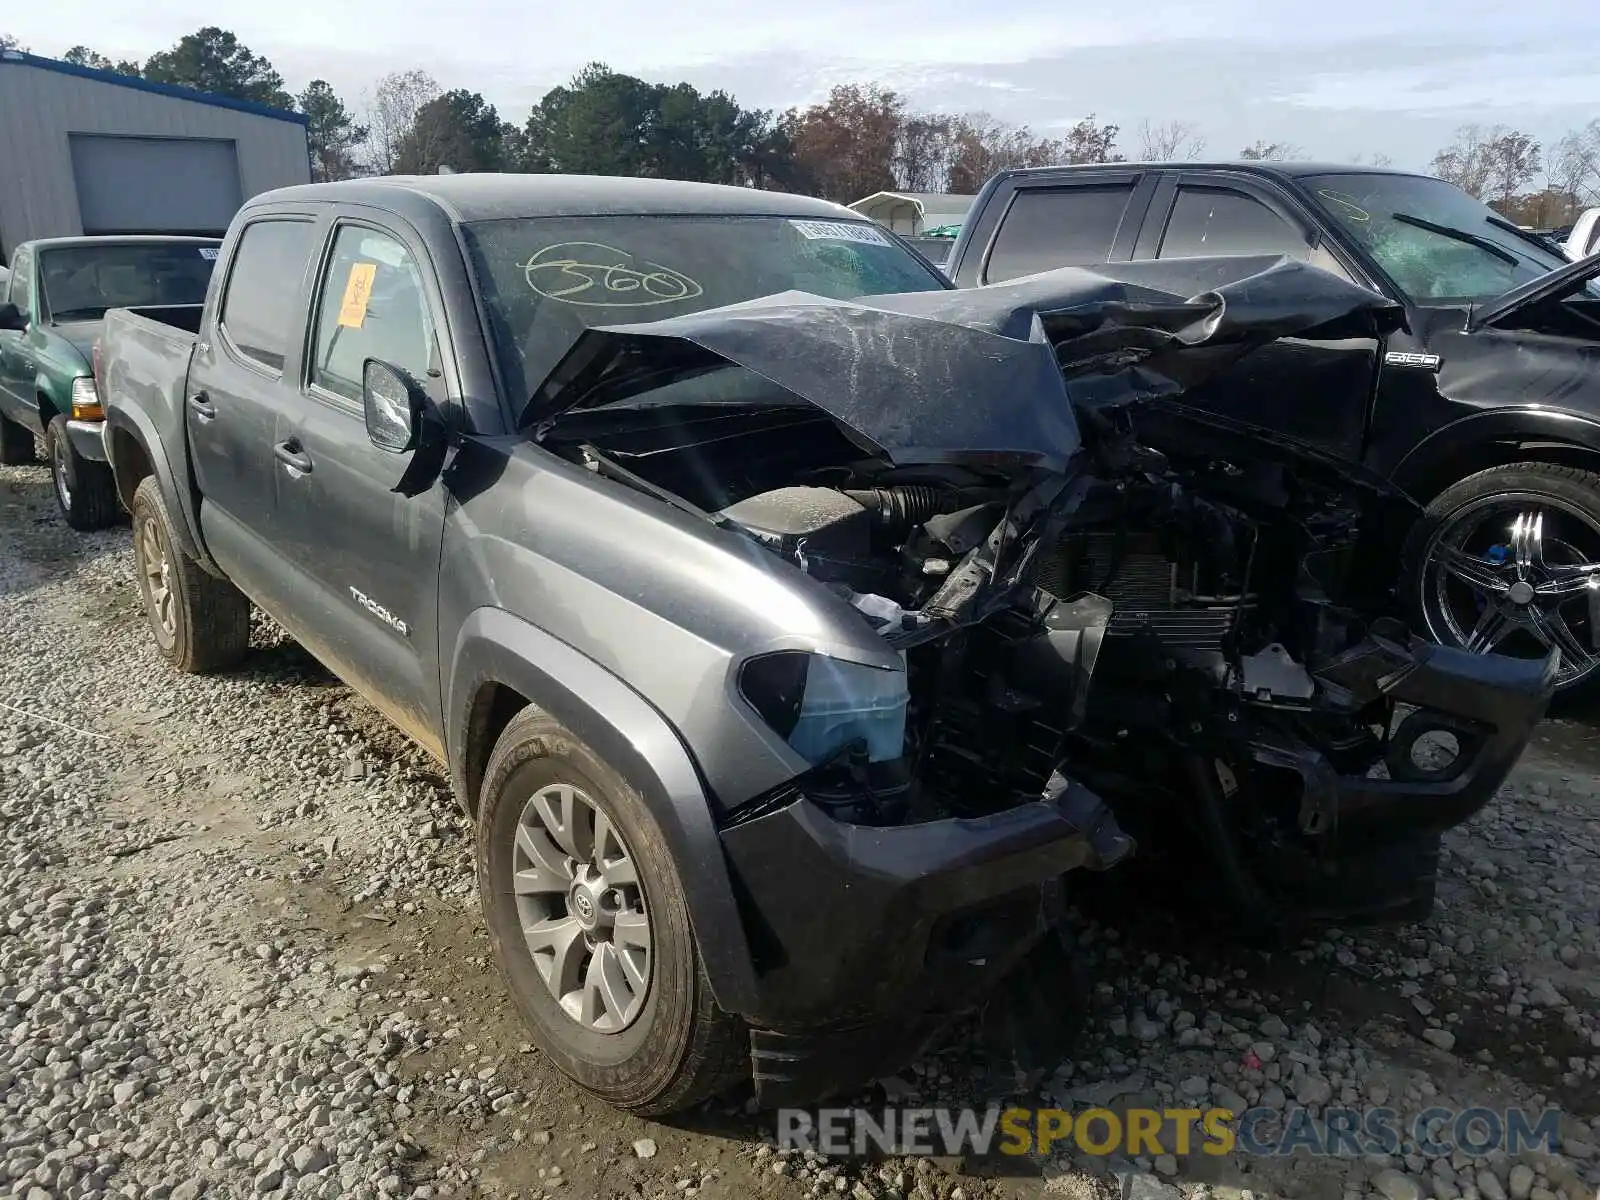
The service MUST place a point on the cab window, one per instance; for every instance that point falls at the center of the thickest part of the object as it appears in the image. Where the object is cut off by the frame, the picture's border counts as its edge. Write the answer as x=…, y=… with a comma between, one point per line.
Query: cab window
x=1208, y=222
x=373, y=305
x=21, y=275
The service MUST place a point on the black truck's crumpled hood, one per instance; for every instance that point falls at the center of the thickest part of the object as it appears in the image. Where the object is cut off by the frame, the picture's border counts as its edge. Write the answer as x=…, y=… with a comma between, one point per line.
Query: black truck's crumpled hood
x=972, y=375
x=1561, y=281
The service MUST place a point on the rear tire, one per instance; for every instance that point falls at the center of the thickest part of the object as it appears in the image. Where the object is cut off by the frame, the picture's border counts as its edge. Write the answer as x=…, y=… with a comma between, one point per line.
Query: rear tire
x=85, y=490
x=16, y=443
x=201, y=623
x=672, y=1048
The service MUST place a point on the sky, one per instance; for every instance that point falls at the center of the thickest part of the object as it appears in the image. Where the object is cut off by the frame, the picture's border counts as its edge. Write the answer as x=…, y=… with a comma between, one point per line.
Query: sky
x=1336, y=80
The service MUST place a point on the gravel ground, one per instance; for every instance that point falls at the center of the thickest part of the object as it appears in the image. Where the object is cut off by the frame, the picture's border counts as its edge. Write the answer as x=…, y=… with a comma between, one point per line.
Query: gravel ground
x=240, y=956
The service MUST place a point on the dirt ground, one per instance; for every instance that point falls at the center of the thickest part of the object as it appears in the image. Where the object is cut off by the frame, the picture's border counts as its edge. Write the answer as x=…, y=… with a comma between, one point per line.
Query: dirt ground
x=309, y=874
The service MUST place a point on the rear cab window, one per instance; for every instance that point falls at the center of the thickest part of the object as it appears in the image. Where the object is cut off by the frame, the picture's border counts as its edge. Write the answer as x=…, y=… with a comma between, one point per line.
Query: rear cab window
x=1049, y=227
x=79, y=283
x=261, y=311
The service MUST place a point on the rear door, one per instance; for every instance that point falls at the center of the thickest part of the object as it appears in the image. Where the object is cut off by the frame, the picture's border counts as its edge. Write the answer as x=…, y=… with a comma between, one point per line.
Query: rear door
x=243, y=368
x=367, y=557
x=1069, y=220
x=1319, y=391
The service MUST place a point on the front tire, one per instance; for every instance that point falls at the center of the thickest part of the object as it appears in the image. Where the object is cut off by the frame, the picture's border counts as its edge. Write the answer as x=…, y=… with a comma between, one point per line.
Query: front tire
x=1508, y=561
x=201, y=623
x=590, y=927
x=16, y=443
x=85, y=491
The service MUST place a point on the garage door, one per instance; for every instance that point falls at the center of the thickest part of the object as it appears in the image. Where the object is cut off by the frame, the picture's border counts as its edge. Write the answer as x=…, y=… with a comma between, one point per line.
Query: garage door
x=155, y=185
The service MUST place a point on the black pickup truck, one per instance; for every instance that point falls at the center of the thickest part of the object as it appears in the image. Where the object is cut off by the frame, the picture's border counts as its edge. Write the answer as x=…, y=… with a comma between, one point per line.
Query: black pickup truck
x=1485, y=406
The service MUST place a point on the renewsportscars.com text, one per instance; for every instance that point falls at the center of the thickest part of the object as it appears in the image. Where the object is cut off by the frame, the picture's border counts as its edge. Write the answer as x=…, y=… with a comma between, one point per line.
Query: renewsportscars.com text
x=1348, y=1132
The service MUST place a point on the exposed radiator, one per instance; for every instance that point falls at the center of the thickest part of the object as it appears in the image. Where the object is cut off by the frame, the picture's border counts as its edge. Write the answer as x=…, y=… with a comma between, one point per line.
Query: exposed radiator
x=1142, y=585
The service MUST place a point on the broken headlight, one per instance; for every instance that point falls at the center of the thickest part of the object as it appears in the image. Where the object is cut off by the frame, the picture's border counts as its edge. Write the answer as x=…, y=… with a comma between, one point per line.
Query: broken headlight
x=824, y=706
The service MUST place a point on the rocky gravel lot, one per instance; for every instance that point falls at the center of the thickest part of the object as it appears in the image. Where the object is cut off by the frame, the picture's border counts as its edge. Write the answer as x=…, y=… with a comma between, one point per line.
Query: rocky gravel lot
x=240, y=956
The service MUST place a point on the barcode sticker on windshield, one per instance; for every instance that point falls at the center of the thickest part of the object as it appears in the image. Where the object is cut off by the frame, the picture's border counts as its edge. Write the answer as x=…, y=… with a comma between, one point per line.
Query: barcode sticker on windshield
x=840, y=231
x=209, y=253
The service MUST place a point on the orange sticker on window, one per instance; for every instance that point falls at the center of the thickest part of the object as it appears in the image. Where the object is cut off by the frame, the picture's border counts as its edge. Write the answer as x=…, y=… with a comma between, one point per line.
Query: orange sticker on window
x=357, y=291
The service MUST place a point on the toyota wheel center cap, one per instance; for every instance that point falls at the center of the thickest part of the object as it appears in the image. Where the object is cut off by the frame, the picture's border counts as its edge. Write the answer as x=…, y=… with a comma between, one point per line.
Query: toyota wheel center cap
x=585, y=907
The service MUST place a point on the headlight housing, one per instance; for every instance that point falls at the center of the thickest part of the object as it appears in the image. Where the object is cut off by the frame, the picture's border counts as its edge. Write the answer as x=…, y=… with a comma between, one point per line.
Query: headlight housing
x=822, y=705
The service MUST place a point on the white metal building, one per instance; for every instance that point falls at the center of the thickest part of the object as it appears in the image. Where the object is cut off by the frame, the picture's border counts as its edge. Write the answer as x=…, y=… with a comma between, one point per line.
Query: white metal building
x=913, y=213
x=85, y=152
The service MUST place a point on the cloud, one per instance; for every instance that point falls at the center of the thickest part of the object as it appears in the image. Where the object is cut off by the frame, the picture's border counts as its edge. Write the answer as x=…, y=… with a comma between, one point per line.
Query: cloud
x=1363, y=76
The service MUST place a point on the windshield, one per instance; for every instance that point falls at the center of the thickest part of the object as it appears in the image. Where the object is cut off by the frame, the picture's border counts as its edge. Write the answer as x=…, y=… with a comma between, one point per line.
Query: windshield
x=546, y=279
x=1436, y=242
x=80, y=282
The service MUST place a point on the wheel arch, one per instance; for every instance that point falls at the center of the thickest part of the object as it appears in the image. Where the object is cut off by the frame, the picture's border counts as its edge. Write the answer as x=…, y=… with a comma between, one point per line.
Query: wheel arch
x=1496, y=439
x=134, y=452
x=502, y=664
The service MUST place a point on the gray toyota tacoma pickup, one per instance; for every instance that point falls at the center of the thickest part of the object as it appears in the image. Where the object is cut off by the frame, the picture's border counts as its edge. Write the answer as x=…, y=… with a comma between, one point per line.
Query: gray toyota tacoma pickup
x=742, y=572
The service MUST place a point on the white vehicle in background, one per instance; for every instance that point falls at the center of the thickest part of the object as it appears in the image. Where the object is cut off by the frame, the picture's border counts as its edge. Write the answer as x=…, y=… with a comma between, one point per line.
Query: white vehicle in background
x=1584, y=239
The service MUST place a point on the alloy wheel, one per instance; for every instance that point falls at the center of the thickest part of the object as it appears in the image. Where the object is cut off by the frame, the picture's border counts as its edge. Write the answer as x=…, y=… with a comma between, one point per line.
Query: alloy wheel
x=58, y=464
x=581, y=908
x=1517, y=575
x=155, y=566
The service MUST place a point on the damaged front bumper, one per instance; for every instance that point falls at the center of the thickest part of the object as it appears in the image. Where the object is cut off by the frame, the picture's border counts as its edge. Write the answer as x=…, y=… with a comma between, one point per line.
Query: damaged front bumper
x=1463, y=721
x=1482, y=707
x=868, y=940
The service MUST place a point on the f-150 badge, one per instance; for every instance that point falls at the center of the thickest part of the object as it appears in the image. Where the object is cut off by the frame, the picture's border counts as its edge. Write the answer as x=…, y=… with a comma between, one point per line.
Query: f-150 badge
x=1402, y=358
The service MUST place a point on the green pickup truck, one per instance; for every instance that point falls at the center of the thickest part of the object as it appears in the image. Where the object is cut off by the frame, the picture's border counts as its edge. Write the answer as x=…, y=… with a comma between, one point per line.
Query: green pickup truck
x=57, y=293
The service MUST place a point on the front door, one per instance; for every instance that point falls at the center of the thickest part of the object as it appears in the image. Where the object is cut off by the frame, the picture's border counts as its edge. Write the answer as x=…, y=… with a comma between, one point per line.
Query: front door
x=239, y=377
x=18, y=368
x=369, y=556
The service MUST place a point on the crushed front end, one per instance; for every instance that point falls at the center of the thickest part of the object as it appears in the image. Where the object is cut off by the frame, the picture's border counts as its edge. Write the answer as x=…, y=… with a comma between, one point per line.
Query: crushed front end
x=1252, y=699
x=1082, y=639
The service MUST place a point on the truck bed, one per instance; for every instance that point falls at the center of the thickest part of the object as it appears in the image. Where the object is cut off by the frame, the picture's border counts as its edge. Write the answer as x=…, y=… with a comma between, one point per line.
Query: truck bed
x=144, y=376
x=144, y=359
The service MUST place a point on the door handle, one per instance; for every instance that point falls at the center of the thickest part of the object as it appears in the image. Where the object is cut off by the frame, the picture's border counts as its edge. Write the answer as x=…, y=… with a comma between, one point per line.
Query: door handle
x=292, y=456
x=202, y=406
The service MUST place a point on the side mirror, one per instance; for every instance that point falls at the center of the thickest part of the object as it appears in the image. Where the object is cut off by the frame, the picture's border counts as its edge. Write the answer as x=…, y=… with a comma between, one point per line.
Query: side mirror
x=11, y=318
x=392, y=406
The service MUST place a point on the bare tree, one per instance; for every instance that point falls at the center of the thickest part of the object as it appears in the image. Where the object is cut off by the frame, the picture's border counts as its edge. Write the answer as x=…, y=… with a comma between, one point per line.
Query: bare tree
x=1372, y=160
x=391, y=112
x=1574, y=164
x=9, y=42
x=1514, y=159
x=1262, y=150
x=1493, y=161
x=1172, y=141
x=922, y=156
x=1465, y=161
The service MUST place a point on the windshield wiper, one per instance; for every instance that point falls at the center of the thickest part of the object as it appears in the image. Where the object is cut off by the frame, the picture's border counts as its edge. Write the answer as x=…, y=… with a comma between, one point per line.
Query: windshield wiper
x=1526, y=235
x=1460, y=235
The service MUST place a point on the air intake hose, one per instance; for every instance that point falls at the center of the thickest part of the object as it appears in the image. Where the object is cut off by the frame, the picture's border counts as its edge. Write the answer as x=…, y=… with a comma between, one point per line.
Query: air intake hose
x=900, y=507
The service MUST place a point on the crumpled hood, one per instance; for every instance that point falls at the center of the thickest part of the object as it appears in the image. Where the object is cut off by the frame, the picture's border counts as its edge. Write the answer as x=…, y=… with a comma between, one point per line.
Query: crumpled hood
x=981, y=376
x=1561, y=281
